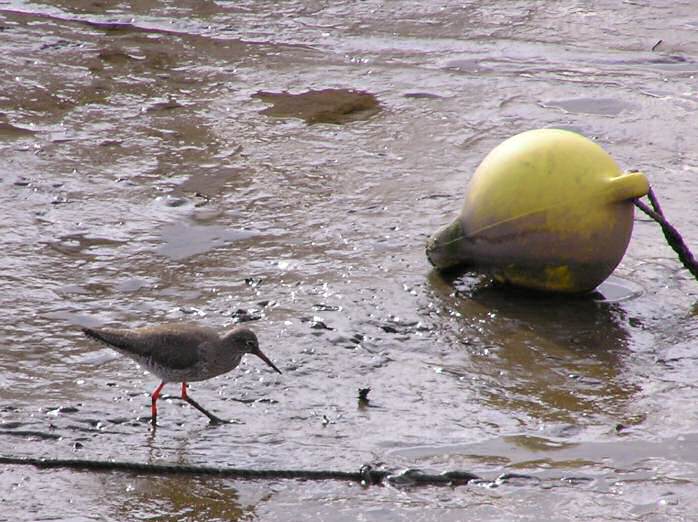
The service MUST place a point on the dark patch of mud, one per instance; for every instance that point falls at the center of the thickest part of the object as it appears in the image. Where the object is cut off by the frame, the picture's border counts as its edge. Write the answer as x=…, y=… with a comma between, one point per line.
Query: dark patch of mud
x=324, y=106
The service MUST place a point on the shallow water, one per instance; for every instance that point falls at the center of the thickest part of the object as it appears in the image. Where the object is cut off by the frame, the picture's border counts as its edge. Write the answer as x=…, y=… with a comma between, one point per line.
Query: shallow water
x=142, y=182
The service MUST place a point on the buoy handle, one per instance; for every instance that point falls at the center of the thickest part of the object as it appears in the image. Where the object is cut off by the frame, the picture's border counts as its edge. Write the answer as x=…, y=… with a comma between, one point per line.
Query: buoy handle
x=629, y=185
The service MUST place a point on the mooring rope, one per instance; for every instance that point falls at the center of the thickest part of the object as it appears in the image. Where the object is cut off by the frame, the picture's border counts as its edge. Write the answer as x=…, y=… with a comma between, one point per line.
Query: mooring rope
x=670, y=233
x=367, y=475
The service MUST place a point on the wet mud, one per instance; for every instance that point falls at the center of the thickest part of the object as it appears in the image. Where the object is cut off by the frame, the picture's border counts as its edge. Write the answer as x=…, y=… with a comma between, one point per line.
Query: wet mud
x=283, y=167
x=324, y=106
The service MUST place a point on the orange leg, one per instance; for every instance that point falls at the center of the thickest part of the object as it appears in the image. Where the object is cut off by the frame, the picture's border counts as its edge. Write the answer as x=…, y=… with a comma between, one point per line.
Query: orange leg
x=153, y=406
x=184, y=391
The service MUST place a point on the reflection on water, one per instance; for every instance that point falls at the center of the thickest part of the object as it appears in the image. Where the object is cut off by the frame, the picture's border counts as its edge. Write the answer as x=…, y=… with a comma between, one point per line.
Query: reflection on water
x=181, y=241
x=553, y=357
x=177, y=498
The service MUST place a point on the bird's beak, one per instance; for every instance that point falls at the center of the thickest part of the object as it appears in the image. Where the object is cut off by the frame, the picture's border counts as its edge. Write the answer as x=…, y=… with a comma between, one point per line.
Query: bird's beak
x=259, y=354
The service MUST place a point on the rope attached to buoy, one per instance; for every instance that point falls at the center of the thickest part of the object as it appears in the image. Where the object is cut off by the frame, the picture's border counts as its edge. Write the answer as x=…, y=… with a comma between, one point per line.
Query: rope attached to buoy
x=179, y=469
x=366, y=476
x=670, y=233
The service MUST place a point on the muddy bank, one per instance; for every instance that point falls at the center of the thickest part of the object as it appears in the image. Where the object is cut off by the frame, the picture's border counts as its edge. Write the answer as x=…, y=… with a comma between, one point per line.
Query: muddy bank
x=141, y=183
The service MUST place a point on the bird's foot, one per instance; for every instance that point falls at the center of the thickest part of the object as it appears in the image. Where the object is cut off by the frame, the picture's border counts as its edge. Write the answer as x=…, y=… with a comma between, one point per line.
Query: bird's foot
x=216, y=421
x=213, y=420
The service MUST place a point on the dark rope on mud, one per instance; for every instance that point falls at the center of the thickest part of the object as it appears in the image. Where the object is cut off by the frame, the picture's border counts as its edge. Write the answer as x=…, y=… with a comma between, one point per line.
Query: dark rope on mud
x=670, y=233
x=366, y=476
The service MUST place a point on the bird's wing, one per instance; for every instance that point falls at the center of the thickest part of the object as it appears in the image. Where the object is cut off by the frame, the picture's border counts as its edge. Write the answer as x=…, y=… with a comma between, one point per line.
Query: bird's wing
x=172, y=351
x=176, y=347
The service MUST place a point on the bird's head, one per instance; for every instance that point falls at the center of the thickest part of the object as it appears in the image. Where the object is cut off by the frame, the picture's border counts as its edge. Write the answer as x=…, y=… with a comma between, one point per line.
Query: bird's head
x=244, y=340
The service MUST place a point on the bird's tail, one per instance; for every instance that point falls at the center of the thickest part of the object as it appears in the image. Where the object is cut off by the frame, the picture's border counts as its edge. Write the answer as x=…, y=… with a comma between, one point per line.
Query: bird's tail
x=111, y=339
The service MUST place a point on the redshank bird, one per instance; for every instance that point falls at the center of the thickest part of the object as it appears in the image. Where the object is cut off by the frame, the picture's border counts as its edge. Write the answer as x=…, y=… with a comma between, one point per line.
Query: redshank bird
x=181, y=352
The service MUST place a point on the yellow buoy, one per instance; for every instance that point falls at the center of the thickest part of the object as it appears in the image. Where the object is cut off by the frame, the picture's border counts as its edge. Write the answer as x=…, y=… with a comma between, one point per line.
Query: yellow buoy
x=547, y=209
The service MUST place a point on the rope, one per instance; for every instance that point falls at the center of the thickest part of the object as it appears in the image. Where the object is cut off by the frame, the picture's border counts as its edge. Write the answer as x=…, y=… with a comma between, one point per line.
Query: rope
x=366, y=476
x=178, y=469
x=670, y=233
